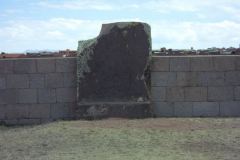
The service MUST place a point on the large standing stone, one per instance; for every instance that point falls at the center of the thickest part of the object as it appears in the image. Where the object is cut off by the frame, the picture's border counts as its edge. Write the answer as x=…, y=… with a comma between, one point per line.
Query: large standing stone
x=112, y=75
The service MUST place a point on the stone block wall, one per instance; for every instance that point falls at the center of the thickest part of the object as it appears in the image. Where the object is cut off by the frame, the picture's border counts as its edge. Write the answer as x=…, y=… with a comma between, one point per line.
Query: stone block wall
x=44, y=89
x=195, y=86
x=37, y=90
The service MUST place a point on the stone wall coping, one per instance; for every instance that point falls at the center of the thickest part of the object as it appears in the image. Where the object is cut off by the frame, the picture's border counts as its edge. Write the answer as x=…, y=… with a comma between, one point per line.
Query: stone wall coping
x=174, y=56
x=14, y=59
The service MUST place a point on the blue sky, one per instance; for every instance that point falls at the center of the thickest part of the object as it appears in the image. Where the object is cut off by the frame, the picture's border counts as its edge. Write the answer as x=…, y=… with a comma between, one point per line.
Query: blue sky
x=59, y=24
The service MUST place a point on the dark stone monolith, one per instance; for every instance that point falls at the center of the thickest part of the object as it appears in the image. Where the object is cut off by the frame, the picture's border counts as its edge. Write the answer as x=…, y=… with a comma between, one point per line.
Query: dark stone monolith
x=113, y=78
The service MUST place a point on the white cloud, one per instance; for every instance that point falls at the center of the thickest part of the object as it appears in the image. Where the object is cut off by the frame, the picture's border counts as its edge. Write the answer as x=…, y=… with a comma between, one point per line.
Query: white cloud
x=198, y=35
x=231, y=10
x=55, y=33
x=78, y=5
x=61, y=33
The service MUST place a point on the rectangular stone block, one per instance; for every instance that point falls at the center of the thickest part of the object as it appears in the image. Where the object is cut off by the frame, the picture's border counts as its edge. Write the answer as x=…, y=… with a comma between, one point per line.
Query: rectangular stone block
x=17, y=81
x=220, y=93
x=160, y=64
x=37, y=80
x=158, y=93
x=211, y=78
x=8, y=96
x=47, y=96
x=175, y=94
x=237, y=62
x=229, y=109
x=237, y=93
x=195, y=94
x=66, y=65
x=25, y=66
x=187, y=79
x=11, y=122
x=201, y=63
x=28, y=121
x=16, y=111
x=61, y=111
x=54, y=80
x=6, y=66
x=27, y=95
x=3, y=82
x=70, y=79
x=46, y=65
x=232, y=78
x=41, y=111
x=163, y=109
x=66, y=94
x=224, y=63
x=163, y=78
x=20, y=122
x=206, y=109
x=179, y=64
x=183, y=109
x=2, y=111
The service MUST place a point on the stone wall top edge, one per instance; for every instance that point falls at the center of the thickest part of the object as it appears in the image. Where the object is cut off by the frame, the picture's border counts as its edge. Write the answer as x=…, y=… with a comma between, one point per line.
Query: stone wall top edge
x=192, y=56
x=14, y=59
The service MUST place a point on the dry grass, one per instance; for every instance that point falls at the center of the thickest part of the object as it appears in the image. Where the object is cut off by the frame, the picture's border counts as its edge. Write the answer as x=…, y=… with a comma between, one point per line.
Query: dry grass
x=118, y=139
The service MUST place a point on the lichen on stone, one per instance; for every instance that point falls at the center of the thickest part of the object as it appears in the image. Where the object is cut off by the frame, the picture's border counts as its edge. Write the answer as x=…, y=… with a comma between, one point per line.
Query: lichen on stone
x=85, y=50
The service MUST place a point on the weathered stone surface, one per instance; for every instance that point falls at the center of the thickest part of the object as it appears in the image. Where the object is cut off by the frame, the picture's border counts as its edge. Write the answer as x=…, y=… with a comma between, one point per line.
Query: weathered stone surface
x=66, y=65
x=46, y=65
x=187, y=79
x=2, y=82
x=17, y=81
x=220, y=94
x=47, y=96
x=103, y=110
x=179, y=64
x=54, y=80
x=25, y=66
x=206, y=109
x=237, y=62
x=41, y=111
x=201, y=64
x=27, y=96
x=175, y=94
x=70, y=79
x=229, y=109
x=111, y=67
x=237, y=93
x=224, y=63
x=6, y=66
x=66, y=94
x=8, y=96
x=163, y=78
x=232, y=78
x=61, y=111
x=196, y=94
x=158, y=93
x=2, y=112
x=160, y=64
x=183, y=109
x=211, y=78
x=16, y=111
x=37, y=80
x=163, y=109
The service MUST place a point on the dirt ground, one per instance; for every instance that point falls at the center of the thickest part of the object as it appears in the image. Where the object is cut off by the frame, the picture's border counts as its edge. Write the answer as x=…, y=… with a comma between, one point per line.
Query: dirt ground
x=122, y=139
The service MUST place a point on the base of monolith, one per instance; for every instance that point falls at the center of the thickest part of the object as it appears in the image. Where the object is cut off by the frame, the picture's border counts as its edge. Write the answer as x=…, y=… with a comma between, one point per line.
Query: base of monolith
x=99, y=110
